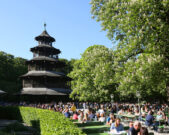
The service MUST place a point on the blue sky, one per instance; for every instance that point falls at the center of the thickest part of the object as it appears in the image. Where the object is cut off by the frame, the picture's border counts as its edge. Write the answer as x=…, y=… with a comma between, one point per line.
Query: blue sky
x=68, y=21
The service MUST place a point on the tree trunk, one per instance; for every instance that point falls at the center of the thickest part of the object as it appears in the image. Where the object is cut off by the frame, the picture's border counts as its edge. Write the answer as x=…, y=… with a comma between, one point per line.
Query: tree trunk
x=167, y=92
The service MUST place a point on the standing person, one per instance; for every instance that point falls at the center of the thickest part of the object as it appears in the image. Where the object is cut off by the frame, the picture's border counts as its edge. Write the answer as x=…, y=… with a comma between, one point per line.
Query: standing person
x=84, y=105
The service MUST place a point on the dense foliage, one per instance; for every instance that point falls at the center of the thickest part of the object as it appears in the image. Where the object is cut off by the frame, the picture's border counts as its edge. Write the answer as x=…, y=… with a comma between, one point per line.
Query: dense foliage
x=140, y=28
x=45, y=121
x=10, y=69
x=68, y=65
x=93, y=75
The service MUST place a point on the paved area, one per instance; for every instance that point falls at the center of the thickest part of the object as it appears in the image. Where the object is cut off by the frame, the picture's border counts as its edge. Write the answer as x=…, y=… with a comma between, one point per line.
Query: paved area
x=4, y=123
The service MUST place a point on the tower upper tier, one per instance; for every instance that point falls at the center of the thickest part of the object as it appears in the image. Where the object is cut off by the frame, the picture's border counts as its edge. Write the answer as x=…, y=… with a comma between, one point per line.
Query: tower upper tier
x=44, y=38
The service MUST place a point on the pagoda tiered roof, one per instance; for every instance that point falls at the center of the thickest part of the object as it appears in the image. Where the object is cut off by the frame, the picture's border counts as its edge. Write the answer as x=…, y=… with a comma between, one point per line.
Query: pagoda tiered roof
x=36, y=73
x=43, y=47
x=45, y=91
x=44, y=36
x=45, y=58
x=42, y=59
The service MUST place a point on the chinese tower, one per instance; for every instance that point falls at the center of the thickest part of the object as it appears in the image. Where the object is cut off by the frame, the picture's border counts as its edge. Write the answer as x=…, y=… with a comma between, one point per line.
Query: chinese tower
x=45, y=76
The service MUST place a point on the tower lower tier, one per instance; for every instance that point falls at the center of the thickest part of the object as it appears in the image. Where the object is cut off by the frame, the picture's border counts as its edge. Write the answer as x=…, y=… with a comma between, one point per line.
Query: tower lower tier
x=45, y=91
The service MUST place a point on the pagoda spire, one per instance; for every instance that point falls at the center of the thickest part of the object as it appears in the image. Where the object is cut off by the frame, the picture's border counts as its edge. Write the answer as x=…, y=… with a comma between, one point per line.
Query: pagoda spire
x=45, y=26
x=44, y=36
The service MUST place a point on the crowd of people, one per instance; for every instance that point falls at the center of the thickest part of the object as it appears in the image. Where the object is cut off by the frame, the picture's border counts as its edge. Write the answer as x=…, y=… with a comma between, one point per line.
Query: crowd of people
x=144, y=116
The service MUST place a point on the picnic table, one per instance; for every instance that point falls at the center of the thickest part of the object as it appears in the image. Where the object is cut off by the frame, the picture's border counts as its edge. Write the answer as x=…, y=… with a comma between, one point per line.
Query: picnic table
x=128, y=116
x=161, y=121
x=118, y=133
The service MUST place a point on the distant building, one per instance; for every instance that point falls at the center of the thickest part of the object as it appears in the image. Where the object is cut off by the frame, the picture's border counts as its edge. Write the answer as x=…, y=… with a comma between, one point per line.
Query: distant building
x=44, y=75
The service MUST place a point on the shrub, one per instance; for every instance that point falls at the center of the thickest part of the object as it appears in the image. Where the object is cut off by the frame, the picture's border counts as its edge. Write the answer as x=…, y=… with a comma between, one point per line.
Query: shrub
x=45, y=121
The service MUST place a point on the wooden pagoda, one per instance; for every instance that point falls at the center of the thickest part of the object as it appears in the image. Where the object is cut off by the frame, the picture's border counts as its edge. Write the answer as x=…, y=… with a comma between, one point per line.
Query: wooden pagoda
x=45, y=76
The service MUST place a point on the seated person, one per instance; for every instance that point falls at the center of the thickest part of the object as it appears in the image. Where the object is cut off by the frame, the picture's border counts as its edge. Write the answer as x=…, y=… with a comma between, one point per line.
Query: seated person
x=135, y=130
x=130, y=124
x=73, y=108
x=75, y=116
x=129, y=111
x=149, y=119
x=121, y=112
x=86, y=118
x=101, y=110
x=67, y=113
x=110, y=119
x=91, y=114
x=137, y=113
x=144, y=131
x=116, y=126
x=102, y=118
x=159, y=116
x=97, y=116
x=81, y=117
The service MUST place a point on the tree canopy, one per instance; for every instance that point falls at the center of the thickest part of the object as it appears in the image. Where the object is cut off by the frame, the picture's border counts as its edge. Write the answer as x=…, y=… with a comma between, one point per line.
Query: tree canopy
x=140, y=28
x=68, y=65
x=10, y=69
x=93, y=75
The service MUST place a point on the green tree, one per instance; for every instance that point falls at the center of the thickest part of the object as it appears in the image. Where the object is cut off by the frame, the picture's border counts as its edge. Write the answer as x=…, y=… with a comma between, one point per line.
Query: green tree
x=68, y=65
x=93, y=75
x=140, y=28
x=10, y=70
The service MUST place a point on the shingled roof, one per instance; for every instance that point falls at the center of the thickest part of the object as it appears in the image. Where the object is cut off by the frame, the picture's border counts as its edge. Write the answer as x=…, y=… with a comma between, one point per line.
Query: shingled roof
x=45, y=91
x=44, y=36
x=44, y=73
x=47, y=47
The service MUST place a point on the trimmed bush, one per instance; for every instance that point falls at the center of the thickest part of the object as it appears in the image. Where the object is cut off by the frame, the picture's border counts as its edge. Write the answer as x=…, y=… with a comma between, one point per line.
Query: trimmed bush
x=45, y=121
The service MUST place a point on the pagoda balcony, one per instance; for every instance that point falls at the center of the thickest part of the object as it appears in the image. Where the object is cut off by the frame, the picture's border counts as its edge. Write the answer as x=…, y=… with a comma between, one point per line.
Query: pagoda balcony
x=45, y=48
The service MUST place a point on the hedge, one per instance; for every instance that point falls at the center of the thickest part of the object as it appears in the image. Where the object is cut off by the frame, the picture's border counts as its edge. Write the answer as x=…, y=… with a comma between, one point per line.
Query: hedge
x=45, y=121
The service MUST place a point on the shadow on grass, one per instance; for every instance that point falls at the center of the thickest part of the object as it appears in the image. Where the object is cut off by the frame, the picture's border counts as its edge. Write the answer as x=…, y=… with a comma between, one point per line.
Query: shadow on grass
x=36, y=125
x=13, y=113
